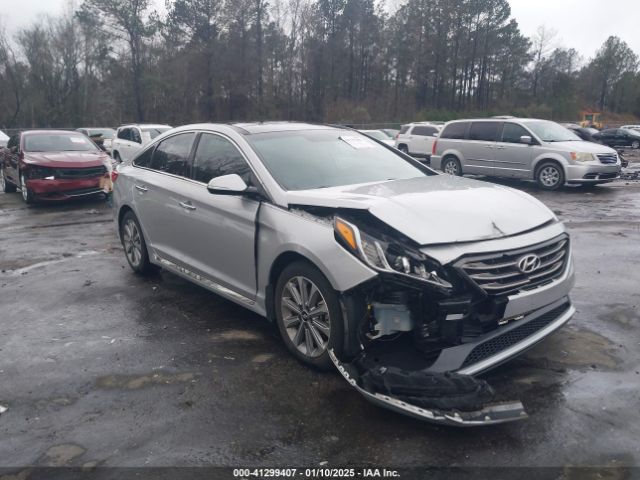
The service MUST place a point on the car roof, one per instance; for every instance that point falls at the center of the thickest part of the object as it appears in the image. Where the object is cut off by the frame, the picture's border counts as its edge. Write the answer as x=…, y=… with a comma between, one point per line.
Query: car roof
x=44, y=132
x=250, y=128
x=148, y=125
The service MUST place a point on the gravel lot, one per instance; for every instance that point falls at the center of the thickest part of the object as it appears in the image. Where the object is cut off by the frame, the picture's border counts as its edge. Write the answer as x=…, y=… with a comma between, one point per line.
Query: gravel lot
x=100, y=367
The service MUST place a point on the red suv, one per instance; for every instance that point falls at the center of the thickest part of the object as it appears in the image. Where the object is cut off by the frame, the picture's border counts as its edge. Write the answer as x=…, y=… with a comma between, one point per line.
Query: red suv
x=52, y=165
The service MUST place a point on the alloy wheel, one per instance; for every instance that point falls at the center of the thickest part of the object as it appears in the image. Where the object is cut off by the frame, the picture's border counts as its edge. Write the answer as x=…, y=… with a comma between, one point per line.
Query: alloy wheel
x=23, y=188
x=451, y=168
x=305, y=316
x=549, y=176
x=132, y=242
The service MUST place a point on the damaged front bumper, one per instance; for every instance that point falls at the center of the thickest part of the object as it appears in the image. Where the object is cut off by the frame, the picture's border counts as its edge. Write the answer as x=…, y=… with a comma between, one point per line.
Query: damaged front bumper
x=486, y=352
x=490, y=414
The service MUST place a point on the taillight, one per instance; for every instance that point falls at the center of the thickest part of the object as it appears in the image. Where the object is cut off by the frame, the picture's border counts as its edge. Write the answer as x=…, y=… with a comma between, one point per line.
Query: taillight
x=433, y=149
x=397, y=135
x=114, y=176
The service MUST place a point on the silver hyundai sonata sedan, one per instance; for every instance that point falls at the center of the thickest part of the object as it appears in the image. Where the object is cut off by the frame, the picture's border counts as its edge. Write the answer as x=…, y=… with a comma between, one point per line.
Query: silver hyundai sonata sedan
x=364, y=258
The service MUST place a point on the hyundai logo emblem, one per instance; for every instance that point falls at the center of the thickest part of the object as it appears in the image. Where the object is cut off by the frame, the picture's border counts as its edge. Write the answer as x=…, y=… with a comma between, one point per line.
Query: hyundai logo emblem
x=529, y=263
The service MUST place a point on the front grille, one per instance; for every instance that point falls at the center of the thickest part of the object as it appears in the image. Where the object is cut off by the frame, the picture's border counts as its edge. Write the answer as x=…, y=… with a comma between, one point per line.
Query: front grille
x=66, y=173
x=499, y=273
x=608, y=158
x=73, y=173
x=499, y=343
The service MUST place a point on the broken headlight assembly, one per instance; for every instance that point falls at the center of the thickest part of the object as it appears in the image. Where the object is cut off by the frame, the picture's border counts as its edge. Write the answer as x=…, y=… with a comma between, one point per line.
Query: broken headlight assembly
x=389, y=257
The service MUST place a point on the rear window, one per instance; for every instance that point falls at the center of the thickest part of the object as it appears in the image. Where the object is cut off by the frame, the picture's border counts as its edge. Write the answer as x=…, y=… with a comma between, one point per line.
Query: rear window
x=424, y=131
x=456, y=130
x=404, y=129
x=487, y=131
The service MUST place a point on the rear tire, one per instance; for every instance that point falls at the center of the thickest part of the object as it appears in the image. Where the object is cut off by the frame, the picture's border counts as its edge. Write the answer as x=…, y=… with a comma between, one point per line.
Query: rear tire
x=308, y=315
x=403, y=149
x=451, y=165
x=550, y=176
x=5, y=185
x=135, y=248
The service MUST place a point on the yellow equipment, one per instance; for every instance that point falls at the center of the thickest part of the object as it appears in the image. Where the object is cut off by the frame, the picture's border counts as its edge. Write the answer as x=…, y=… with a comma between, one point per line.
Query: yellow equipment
x=591, y=120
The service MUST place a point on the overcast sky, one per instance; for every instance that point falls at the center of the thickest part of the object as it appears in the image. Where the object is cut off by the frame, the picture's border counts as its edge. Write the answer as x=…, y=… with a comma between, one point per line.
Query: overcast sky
x=581, y=24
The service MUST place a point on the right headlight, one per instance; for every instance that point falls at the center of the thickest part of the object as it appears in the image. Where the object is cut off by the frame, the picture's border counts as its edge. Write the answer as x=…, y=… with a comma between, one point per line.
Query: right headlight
x=388, y=257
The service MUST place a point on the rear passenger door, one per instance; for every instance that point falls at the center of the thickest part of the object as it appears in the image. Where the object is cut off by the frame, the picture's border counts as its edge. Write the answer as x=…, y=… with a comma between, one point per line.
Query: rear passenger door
x=162, y=189
x=512, y=158
x=480, y=148
x=221, y=228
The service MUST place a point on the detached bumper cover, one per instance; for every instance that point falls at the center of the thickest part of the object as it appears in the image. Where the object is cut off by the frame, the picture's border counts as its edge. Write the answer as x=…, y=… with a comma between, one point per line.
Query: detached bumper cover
x=488, y=415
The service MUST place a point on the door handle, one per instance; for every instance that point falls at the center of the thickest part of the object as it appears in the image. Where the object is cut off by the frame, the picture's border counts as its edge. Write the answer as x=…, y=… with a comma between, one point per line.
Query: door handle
x=186, y=206
x=141, y=188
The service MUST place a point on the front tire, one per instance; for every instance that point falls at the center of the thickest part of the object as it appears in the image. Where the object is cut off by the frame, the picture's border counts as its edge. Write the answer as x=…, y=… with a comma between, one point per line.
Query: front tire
x=308, y=315
x=550, y=176
x=135, y=248
x=27, y=195
x=451, y=165
x=403, y=149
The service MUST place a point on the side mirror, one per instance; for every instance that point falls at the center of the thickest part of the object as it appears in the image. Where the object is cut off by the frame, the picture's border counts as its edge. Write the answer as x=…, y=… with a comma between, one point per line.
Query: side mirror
x=526, y=139
x=228, y=185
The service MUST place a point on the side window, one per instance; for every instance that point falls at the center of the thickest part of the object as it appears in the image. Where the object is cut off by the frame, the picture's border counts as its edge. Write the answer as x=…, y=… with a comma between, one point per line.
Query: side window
x=217, y=156
x=404, y=129
x=424, y=131
x=487, y=131
x=512, y=132
x=135, y=135
x=455, y=131
x=124, y=133
x=144, y=159
x=172, y=155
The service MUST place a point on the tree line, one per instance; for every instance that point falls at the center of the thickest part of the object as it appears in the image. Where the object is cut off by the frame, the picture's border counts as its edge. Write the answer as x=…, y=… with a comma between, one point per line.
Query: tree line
x=114, y=61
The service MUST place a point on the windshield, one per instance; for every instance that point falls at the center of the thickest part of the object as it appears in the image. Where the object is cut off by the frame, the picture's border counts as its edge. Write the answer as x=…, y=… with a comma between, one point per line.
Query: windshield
x=104, y=132
x=58, y=142
x=308, y=159
x=154, y=132
x=377, y=134
x=551, y=131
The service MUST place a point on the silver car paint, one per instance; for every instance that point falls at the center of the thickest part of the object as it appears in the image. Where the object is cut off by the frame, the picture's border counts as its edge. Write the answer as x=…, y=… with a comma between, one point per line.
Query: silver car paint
x=519, y=160
x=467, y=210
x=434, y=210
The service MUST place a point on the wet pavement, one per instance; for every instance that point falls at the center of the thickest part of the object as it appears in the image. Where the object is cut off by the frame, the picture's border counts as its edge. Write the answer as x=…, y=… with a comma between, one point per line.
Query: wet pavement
x=101, y=367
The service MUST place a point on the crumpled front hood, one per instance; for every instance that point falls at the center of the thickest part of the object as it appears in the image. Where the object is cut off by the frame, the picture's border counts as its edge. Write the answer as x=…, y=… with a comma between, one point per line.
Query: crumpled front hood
x=65, y=159
x=437, y=209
